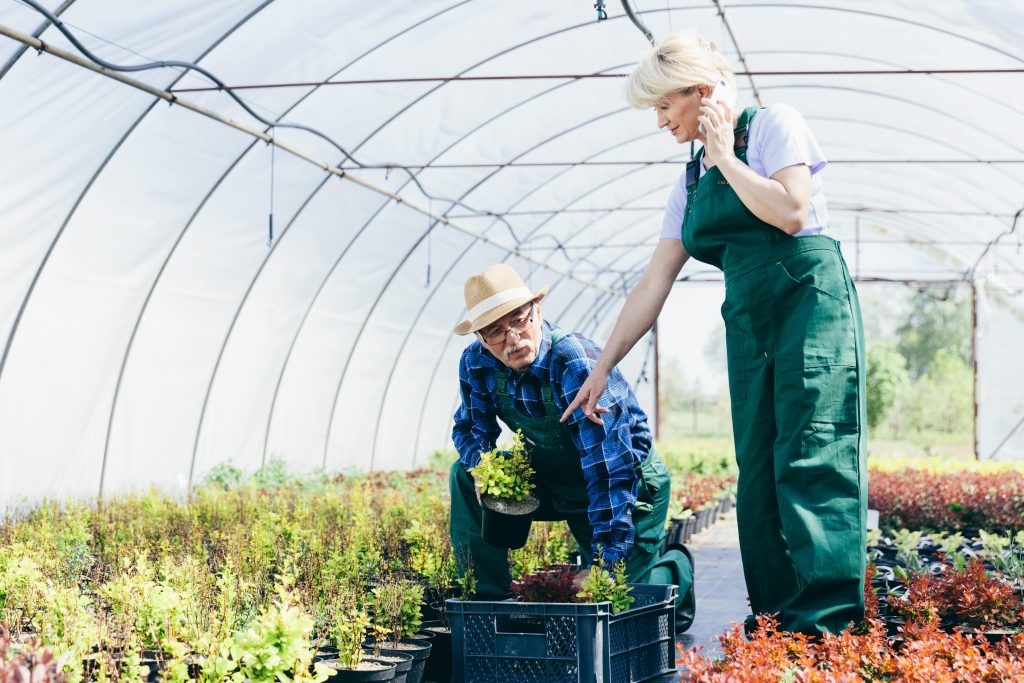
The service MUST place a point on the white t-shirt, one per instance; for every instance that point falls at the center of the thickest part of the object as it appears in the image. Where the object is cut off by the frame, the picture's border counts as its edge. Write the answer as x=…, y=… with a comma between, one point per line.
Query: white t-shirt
x=778, y=137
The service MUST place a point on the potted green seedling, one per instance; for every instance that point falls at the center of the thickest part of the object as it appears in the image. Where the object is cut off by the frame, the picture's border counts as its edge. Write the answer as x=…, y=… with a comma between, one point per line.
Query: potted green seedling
x=600, y=585
x=396, y=620
x=348, y=630
x=503, y=477
x=276, y=646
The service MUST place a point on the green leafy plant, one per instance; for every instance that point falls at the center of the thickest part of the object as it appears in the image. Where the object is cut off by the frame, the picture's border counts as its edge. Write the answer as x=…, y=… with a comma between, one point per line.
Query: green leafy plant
x=468, y=584
x=276, y=646
x=225, y=475
x=348, y=630
x=22, y=590
x=151, y=608
x=600, y=585
x=397, y=608
x=505, y=473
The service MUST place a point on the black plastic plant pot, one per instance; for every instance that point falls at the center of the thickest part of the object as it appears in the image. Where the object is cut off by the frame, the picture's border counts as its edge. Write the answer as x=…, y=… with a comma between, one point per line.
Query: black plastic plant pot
x=419, y=648
x=402, y=660
x=439, y=665
x=369, y=669
x=325, y=652
x=506, y=524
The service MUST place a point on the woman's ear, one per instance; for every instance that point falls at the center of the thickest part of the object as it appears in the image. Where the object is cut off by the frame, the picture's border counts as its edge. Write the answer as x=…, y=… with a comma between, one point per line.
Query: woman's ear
x=704, y=91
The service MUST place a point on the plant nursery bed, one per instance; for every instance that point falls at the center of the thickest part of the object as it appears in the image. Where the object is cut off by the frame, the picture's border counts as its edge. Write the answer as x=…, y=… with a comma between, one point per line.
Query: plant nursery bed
x=535, y=642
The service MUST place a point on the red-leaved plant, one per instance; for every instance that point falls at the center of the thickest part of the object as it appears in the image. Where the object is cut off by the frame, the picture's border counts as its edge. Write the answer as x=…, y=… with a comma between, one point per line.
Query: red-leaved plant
x=969, y=598
x=917, y=499
x=925, y=654
x=553, y=584
x=31, y=664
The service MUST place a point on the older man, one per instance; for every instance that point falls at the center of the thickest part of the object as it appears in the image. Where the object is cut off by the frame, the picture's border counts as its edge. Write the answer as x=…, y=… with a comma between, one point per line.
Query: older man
x=600, y=475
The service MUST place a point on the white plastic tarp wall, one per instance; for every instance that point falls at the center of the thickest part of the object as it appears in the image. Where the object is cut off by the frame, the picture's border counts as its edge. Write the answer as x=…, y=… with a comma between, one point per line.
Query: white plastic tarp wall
x=149, y=332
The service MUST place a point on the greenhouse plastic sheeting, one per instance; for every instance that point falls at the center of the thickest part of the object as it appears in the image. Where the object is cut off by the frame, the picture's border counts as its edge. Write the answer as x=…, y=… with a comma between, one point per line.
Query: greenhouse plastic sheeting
x=149, y=330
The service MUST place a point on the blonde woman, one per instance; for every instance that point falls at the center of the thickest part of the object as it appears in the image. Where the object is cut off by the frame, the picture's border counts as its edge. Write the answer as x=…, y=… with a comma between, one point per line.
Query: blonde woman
x=751, y=203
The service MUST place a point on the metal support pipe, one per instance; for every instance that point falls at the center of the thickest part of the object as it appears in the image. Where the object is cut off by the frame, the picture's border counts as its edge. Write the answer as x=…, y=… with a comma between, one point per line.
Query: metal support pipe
x=856, y=231
x=739, y=51
x=657, y=384
x=974, y=362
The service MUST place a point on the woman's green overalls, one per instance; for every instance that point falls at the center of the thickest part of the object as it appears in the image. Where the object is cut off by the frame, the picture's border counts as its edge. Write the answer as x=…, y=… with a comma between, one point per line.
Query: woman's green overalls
x=562, y=490
x=795, y=348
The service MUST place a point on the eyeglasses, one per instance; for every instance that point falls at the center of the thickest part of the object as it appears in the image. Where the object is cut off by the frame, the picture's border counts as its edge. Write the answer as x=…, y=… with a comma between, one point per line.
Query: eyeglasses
x=519, y=325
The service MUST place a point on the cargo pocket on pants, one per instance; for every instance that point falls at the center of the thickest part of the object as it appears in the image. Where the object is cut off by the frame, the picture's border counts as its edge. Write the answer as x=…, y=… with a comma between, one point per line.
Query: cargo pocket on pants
x=819, y=397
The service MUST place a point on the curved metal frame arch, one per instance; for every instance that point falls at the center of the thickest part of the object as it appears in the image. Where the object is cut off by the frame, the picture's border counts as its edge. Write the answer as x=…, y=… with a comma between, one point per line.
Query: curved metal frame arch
x=202, y=204
x=878, y=15
x=913, y=103
x=238, y=313
x=915, y=230
x=81, y=197
x=894, y=65
x=35, y=34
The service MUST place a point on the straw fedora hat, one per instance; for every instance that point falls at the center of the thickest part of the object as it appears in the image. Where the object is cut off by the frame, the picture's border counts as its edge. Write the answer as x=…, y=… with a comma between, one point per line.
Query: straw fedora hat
x=493, y=293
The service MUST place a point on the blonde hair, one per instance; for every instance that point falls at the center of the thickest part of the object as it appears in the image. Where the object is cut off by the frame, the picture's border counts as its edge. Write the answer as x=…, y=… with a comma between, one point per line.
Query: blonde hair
x=676, y=63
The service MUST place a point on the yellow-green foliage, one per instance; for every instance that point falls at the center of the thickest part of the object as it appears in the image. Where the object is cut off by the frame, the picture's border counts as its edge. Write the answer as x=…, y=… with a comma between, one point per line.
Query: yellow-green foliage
x=505, y=473
x=600, y=585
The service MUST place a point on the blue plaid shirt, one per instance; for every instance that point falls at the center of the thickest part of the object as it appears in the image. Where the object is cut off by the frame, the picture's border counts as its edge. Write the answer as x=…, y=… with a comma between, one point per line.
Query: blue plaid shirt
x=610, y=454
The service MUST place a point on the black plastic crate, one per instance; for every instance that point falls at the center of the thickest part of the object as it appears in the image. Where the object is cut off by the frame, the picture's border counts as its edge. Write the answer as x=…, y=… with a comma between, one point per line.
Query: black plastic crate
x=540, y=642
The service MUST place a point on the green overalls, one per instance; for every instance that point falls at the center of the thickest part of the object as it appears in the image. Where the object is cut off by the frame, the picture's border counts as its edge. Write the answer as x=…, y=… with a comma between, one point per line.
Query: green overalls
x=562, y=490
x=795, y=348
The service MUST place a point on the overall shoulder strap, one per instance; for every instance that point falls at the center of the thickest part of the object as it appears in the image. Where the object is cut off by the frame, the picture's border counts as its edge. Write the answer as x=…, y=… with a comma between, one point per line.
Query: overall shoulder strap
x=693, y=171
x=743, y=123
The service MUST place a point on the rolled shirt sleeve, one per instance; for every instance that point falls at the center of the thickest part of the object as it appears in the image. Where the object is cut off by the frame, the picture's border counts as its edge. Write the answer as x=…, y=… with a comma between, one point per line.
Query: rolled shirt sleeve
x=476, y=425
x=608, y=458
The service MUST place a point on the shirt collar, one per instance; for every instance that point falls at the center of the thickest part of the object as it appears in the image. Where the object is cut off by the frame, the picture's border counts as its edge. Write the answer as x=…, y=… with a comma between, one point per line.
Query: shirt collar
x=542, y=362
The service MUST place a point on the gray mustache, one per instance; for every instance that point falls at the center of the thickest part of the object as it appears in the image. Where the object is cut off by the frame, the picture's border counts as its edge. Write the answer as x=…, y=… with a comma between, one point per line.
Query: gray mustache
x=521, y=344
